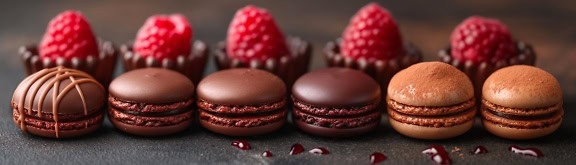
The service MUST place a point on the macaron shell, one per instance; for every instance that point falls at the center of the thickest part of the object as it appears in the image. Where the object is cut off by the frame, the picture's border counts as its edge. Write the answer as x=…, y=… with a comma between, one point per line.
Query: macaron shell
x=64, y=133
x=152, y=85
x=86, y=126
x=241, y=87
x=430, y=84
x=434, y=121
x=336, y=87
x=430, y=133
x=243, y=131
x=335, y=132
x=151, y=131
x=518, y=134
x=522, y=86
x=71, y=102
x=523, y=124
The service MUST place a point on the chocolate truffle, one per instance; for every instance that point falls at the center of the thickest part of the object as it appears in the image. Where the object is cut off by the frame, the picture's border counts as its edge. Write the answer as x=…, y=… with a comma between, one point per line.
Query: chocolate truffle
x=431, y=100
x=242, y=102
x=59, y=103
x=521, y=102
x=372, y=43
x=336, y=102
x=151, y=102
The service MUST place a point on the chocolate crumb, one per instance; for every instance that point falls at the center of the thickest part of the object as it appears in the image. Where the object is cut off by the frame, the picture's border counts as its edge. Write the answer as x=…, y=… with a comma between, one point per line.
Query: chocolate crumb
x=456, y=149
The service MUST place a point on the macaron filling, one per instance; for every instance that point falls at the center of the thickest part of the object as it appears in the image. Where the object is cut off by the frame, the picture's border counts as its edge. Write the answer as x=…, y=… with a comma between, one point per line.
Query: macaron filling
x=531, y=119
x=446, y=116
x=242, y=115
x=240, y=109
x=337, y=117
x=75, y=124
x=150, y=115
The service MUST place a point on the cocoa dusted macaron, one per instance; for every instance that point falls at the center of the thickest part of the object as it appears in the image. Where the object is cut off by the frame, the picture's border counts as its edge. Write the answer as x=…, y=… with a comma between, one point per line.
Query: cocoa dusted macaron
x=521, y=102
x=59, y=103
x=431, y=100
x=336, y=102
x=242, y=102
x=151, y=102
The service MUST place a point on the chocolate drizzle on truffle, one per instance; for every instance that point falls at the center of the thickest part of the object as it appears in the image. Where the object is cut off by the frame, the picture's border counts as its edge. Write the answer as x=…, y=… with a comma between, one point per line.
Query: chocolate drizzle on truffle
x=51, y=79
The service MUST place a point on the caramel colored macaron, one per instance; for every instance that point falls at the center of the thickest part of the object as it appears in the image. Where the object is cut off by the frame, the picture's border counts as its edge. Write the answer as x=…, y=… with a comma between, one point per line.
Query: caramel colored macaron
x=521, y=102
x=431, y=100
x=242, y=102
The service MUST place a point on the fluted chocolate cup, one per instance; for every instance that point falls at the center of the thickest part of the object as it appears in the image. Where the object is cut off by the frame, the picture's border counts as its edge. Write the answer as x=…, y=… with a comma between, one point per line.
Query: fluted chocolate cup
x=381, y=70
x=289, y=67
x=191, y=65
x=478, y=73
x=101, y=66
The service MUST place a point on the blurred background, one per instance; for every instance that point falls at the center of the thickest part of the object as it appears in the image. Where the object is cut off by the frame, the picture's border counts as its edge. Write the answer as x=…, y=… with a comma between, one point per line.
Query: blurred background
x=549, y=25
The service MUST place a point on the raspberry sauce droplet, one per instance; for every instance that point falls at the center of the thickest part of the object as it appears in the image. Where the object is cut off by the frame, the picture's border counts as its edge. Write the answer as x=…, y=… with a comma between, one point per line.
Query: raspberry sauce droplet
x=479, y=150
x=438, y=154
x=526, y=151
x=241, y=144
x=267, y=154
x=377, y=157
x=319, y=150
x=296, y=149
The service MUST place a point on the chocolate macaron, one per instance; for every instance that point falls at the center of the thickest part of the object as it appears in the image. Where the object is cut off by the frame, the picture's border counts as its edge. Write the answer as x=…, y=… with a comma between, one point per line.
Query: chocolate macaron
x=521, y=102
x=336, y=102
x=151, y=102
x=59, y=103
x=242, y=102
x=431, y=100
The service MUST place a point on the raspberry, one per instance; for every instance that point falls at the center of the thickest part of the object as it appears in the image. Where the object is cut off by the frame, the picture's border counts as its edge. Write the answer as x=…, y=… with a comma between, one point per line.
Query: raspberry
x=253, y=34
x=68, y=35
x=372, y=35
x=479, y=39
x=164, y=37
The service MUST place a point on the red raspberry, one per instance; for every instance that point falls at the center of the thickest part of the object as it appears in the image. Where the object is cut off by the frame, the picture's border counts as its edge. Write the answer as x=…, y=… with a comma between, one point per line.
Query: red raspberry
x=479, y=39
x=253, y=34
x=164, y=37
x=372, y=35
x=68, y=35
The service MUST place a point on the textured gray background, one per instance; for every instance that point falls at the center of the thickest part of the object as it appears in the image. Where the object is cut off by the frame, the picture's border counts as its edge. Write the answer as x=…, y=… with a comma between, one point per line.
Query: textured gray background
x=550, y=26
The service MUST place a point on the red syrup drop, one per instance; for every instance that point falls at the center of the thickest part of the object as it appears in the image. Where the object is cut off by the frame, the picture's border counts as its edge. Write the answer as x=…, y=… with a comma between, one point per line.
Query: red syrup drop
x=377, y=157
x=438, y=154
x=296, y=149
x=526, y=151
x=319, y=150
x=267, y=154
x=479, y=150
x=241, y=144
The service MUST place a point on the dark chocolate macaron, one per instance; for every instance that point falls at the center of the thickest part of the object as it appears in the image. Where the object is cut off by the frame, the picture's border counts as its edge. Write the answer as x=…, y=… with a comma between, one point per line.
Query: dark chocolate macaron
x=59, y=103
x=242, y=102
x=431, y=100
x=336, y=102
x=521, y=102
x=151, y=102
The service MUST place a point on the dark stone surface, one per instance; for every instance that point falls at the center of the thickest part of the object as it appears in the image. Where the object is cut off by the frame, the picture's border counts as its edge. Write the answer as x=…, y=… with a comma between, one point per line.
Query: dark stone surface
x=427, y=23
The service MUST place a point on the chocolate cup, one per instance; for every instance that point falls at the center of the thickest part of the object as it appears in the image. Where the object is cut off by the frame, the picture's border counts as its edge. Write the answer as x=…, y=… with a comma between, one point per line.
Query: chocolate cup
x=100, y=67
x=478, y=73
x=289, y=67
x=381, y=70
x=191, y=65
